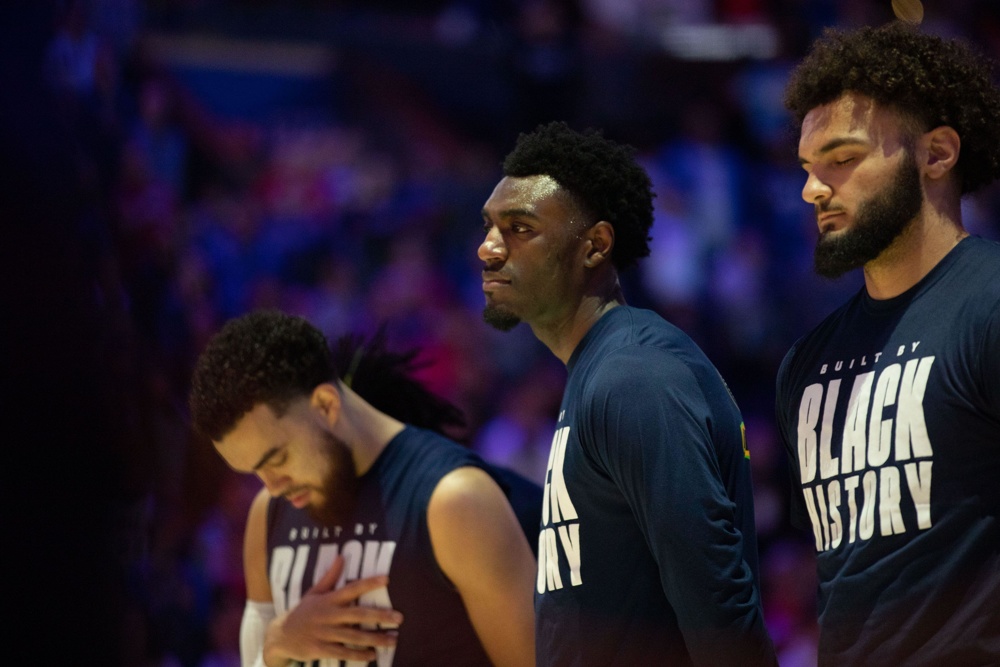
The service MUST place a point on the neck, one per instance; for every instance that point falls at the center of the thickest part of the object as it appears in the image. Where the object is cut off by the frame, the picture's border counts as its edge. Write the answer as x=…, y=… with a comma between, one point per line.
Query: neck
x=932, y=235
x=562, y=334
x=366, y=430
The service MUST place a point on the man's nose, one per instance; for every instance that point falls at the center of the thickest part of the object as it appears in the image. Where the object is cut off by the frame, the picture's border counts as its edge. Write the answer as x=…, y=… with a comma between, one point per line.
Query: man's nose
x=815, y=190
x=275, y=482
x=492, y=247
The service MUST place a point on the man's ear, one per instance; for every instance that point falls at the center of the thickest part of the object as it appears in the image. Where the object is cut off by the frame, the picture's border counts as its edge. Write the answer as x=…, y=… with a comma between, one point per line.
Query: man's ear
x=601, y=237
x=326, y=400
x=941, y=147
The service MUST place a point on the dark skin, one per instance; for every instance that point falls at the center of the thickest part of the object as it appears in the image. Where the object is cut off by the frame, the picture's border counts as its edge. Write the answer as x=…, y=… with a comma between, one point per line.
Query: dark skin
x=543, y=264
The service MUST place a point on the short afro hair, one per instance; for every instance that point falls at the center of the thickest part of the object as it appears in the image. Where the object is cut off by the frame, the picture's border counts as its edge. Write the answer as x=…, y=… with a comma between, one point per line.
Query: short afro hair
x=602, y=176
x=263, y=357
x=928, y=80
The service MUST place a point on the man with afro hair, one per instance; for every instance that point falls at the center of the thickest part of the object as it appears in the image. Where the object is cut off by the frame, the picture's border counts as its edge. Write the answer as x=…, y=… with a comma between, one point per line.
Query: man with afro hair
x=890, y=408
x=647, y=553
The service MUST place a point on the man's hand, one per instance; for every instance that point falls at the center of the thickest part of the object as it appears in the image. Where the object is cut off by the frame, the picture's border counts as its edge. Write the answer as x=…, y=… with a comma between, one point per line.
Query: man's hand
x=325, y=623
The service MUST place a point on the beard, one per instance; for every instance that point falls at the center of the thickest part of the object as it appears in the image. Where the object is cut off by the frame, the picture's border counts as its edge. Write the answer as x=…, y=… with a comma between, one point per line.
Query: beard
x=500, y=319
x=880, y=220
x=340, y=486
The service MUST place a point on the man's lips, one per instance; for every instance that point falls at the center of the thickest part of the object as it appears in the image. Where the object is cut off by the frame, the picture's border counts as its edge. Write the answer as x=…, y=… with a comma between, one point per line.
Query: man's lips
x=825, y=221
x=491, y=280
x=298, y=498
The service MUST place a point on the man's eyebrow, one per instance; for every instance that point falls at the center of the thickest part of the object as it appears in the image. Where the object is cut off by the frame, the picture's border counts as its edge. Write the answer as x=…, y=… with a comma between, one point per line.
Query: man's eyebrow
x=268, y=455
x=833, y=144
x=512, y=213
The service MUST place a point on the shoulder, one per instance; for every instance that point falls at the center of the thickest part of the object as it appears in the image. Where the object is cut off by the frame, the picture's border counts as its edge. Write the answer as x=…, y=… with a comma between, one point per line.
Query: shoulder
x=467, y=505
x=821, y=335
x=983, y=259
x=659, y=362
x=785, y=367
x=970, y=274
x=640, y=369
x=419, y=455
x=463, y=490
x=982, y=248
x=467, y=498
x=430, y=469
x=414, y=444
x=637, y=340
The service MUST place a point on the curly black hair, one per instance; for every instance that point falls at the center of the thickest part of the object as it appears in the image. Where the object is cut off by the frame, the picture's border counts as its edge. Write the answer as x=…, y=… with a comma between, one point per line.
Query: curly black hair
x=384, y=378
x=602, y=176
x=931, y=81
x=263, y=357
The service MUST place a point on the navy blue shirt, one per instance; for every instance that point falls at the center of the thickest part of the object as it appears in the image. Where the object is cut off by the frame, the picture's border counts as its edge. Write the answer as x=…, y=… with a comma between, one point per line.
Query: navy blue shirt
x=647, y=554
x=890, y=411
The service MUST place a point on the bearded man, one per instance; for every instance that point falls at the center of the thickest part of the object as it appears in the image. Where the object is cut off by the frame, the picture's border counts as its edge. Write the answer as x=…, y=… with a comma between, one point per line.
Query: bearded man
x=890, y=408
x=372, y=540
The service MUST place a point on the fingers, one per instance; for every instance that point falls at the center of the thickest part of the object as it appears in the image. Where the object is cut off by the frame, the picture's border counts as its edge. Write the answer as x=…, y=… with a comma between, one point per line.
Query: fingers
x=356, y=589
x=356, y=637
x=341, y=652
x=329, y=580
x=314, y=630
x=369, y=616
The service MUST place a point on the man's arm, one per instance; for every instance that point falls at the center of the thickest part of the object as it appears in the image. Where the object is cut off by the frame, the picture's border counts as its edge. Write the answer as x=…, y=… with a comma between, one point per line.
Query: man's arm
x=654, y=423
x=480, y=547
x=325, y=622
x=260, y=606
x=255, y=550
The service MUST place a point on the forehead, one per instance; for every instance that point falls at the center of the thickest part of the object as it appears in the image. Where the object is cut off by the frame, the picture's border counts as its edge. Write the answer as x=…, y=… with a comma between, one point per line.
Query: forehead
x=255, y=434
x=851, y=117
x=540, y=196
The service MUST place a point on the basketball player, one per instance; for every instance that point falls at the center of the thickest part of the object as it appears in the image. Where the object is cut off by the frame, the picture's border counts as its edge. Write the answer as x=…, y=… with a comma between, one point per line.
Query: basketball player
x=357, y=508
x=890, y=408
x=648, y=552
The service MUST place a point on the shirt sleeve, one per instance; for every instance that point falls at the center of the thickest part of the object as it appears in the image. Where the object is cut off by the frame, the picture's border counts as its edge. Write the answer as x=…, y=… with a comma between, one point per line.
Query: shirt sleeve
x=655, y=430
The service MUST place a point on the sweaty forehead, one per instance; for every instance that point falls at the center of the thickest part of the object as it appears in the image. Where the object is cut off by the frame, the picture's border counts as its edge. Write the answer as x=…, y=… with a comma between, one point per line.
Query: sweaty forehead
x=533, y=187
x=525, y=192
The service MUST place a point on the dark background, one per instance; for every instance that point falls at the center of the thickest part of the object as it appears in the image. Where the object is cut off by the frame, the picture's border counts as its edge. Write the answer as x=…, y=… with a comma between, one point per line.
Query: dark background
x=167, y=165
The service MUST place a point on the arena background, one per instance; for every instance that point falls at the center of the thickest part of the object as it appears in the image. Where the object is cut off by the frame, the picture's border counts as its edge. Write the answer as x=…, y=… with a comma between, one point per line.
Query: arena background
x=169, y=164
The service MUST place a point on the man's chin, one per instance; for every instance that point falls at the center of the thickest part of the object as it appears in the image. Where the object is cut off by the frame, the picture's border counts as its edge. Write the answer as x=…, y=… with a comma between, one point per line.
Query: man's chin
x=335, y=513
x=836, y=255
x=830, y=259
x=500, y=319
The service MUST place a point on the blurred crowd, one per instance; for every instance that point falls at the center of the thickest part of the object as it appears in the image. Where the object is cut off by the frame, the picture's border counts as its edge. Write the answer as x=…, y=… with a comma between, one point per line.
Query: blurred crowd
x=359, y=207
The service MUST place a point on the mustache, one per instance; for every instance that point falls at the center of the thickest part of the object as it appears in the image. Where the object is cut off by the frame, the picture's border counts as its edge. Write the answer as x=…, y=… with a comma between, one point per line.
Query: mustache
x=290, y=493
x=495, y=274
x=827, y=207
